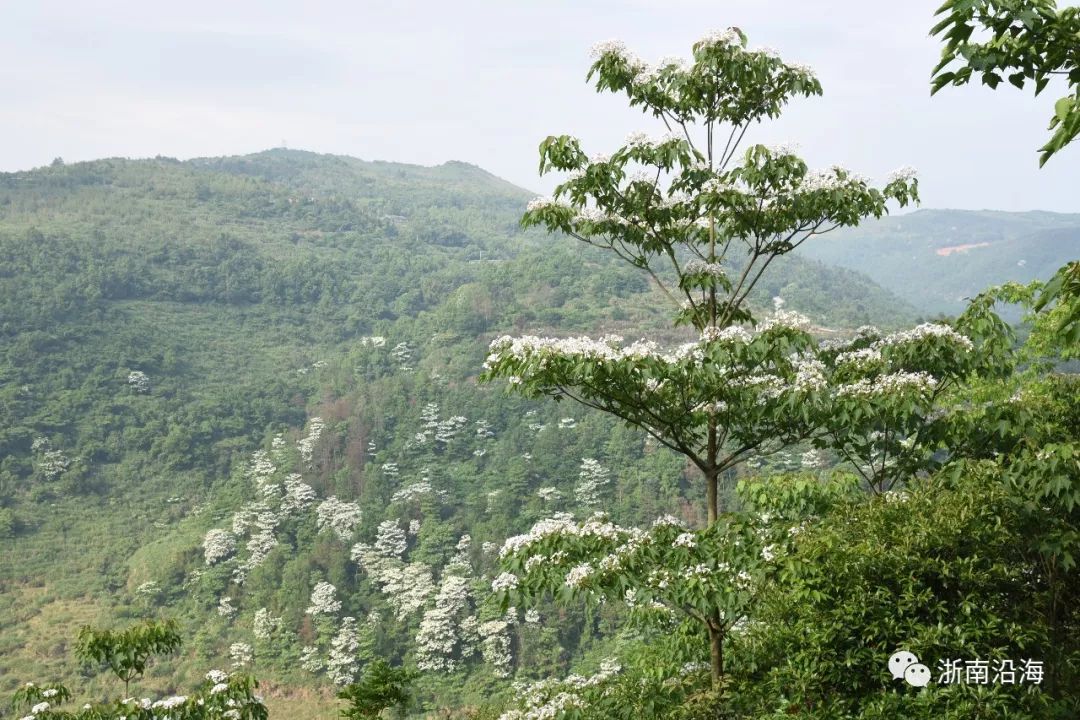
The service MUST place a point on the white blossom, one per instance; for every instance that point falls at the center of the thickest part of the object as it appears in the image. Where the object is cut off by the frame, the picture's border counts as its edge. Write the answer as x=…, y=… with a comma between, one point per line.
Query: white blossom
x=218, y=545
x=139, y=381
x=686, y=540
x=343, y=664
x=578, y=575
x=338, y=516
x=505, y=581
x=298, y=495
x=323, y=600
x=922, y=332
x=591, y=481
x=700, y=267
x=225, y=607
x=893, y=383
x=905, y=173
x=241, y=654
x=813, y=459
x=785, y=318
x=390, y=539
x=264, y=625
x=548, y=494
x=306, y=445
x=859, y=358
x=310, y=659
x=542, y=203
x=719, y=38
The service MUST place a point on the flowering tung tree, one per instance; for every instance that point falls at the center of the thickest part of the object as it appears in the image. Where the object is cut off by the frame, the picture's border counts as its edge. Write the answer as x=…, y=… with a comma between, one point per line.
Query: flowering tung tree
x=705, y=222
x=704, y=216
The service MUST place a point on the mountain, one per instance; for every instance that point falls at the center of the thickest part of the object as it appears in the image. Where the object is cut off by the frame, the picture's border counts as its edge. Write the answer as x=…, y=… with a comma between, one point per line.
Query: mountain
x=283, y=346
x=936, y=258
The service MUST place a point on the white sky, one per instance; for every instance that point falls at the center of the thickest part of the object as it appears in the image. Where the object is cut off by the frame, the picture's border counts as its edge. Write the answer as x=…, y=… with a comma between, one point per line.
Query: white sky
x=484, y=82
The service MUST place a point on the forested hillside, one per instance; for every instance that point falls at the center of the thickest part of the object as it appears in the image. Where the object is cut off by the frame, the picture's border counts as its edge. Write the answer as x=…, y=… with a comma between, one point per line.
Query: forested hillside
x=242, y=393
x=163, y=321
x=936, y=258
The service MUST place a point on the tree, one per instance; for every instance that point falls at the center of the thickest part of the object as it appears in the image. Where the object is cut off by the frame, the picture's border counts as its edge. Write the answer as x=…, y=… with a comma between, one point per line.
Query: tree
x=1029, y=40
x=382, y=687
x=219, y=695
x=681, y=208
x=127, y=652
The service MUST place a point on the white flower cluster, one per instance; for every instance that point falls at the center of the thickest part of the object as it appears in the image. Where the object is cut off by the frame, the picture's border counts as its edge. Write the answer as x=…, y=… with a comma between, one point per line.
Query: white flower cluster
x=785, y=318
x=719, y=37
x=169, y=703
x=813, y=459
x=341, y=517
x=53, y=463
x=859, y=358
x=390, y=540
x=139, y=382
x=218, y=545
x=732, y=333
x=495, y=648
x=414, y=491
x=148, y=589
x=343, y=664
x=306, y=445
x=225, y=607
x=549, y=699
x=323, y=600
x=802, y=69
x=264, y=624
x=563, y=524
x=922, y=332
x=686, y=540
x=578, y=575
x=402, y=354
x=567, y=423
x=549, y=493
x=610, y=47
x=542, y=203
x=448, y=428
x=241, y=654
x=905, y=173
x=824, y=180
x=809, y=375
x=592, y=479
x=483, y=430
x=440, y=647
x=641, y=140
x=311, y=660
x=505, y=581
x=890, y=384
x=702, y=268
x=406, y=587
x=298, y=495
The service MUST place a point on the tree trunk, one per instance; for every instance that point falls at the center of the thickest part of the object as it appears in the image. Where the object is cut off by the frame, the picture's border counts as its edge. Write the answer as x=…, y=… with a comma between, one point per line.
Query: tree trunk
x=716, y=649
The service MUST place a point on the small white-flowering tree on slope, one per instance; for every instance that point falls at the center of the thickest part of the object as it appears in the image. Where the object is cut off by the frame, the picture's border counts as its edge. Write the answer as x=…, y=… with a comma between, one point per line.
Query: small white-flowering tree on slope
x=705, y=215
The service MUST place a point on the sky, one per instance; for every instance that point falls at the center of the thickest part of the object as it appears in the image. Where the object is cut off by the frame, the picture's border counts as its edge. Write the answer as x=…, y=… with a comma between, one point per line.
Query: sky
x=485, y=82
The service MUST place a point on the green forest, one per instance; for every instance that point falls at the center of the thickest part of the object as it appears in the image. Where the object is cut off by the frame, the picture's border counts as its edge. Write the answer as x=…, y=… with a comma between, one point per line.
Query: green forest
x=298, y=435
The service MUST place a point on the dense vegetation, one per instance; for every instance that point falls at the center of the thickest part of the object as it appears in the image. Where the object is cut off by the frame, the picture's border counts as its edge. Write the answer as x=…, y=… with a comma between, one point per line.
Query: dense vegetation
x=936, y=258
x=246, y=394
x=163, y=320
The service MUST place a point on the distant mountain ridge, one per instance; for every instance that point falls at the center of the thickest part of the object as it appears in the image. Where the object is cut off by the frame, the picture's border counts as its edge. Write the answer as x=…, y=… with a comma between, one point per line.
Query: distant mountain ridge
x=935, y=258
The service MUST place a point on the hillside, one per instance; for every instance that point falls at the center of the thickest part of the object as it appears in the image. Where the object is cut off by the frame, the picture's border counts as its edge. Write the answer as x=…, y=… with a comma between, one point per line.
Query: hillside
x=935, y=258
x=183, y=344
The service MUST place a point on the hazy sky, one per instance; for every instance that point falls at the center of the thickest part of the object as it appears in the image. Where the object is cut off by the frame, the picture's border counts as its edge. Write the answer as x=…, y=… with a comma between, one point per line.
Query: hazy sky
x=484, y=82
